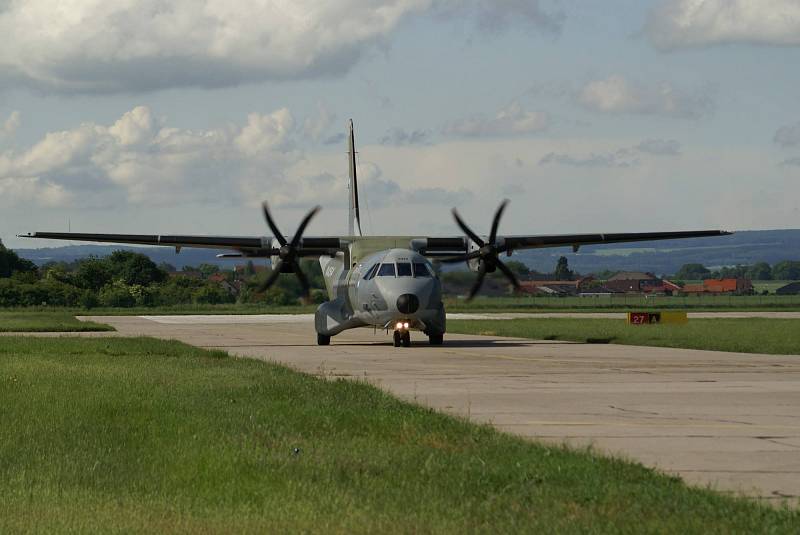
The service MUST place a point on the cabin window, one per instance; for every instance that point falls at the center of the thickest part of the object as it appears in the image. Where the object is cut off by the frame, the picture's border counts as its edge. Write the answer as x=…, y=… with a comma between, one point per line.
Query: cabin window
x=421, y=270
x=403, y=269
x=371, y=272
x=386, y=270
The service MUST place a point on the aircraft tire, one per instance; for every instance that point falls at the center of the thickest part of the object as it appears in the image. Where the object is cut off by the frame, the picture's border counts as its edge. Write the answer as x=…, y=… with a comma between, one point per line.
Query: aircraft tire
x=323, y=340
x=397, y=339
x=406, y=339
x=436, y=339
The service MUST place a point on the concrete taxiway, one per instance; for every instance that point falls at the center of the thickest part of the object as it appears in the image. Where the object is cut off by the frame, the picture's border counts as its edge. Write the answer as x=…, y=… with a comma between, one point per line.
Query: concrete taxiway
x=728, y=420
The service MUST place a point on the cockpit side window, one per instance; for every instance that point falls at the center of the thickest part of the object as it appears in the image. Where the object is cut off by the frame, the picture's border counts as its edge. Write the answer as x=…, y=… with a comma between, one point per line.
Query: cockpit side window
x=371, y=272
x=403, y=269
x=386, y=270
x=421, y=270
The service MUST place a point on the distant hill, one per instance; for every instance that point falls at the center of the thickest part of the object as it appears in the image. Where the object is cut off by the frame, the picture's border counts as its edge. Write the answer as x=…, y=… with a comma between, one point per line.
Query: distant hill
x=661, y=257
x=666, y=257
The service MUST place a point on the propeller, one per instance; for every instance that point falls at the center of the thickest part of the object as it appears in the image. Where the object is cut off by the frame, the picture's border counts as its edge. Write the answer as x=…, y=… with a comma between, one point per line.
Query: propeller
x=487, y=254
x=289, y=252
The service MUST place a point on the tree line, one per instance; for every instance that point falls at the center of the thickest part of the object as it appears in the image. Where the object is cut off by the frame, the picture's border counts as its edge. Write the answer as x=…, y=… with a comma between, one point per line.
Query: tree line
x=129, y=279
x=761, y=271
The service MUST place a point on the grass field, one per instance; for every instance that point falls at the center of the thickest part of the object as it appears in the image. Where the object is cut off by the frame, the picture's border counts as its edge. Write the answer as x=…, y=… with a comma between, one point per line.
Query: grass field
x=23, y=320
x=752, y=335
x=102, y=435
x=626, y=302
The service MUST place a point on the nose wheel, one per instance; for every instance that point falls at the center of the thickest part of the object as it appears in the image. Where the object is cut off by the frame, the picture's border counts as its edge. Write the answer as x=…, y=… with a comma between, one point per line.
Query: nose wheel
x=402, y=338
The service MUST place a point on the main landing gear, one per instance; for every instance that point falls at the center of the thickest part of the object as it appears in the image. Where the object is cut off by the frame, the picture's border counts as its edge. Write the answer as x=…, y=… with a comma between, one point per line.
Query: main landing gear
x=436, y=339
x=402, y=338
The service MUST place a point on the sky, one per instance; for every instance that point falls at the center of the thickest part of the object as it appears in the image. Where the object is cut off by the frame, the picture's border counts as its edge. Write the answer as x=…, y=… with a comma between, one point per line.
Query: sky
x=182, y=116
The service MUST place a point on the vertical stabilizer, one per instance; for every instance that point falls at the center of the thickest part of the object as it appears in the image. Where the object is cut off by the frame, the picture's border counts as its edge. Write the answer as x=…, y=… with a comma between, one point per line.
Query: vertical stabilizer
x=354, y=222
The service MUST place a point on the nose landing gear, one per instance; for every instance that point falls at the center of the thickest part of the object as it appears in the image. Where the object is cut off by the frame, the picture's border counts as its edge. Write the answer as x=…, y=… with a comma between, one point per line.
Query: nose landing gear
x=402, y=337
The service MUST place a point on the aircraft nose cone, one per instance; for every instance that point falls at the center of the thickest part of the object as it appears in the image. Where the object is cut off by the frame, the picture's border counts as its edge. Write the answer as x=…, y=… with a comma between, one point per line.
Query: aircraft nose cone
x=407, y=303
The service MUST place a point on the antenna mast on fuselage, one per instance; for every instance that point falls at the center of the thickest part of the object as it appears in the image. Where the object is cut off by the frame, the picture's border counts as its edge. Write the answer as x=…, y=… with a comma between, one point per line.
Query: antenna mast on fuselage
x=354, y=220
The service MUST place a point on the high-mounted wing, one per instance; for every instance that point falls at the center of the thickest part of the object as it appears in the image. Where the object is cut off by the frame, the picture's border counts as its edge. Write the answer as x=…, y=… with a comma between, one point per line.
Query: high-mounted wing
x=250, y=246
x=488, y=249
x=513, y=243
x=288, y=253
x=238, y=243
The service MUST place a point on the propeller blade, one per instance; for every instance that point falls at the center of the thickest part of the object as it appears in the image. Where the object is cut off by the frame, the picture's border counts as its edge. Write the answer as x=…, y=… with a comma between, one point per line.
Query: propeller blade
x=508, y=273
x=478, y=282
x=303, y=282
x=467, y=230
x=272, y=226
x=303, y=225
x=462, y=258
x=276, y=272
x=496, y=220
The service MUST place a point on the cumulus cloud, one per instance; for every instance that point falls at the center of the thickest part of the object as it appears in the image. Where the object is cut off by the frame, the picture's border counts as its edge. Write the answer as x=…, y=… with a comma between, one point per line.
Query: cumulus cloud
x=139, y=160
x=621, y=158
x=616, y=95
x=499, y=15
x=335, y=139
x=315, y=126
x=659, y=147
x=402, y=137
x=378, y=190
x=689, y=23
x=512, y=120
x=128, y=46
x=10, y=125
x=617, y=159
x=788, y=136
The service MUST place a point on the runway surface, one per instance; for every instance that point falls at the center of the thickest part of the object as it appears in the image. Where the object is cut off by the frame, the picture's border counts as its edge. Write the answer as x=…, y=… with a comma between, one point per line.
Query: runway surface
x=728, y=420
x=309, y=318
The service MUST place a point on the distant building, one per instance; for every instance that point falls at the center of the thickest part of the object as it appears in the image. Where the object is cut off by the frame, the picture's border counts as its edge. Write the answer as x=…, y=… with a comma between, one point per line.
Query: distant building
x=632, y=282
x=551, y=287
x=720, y=286
x=793, y=288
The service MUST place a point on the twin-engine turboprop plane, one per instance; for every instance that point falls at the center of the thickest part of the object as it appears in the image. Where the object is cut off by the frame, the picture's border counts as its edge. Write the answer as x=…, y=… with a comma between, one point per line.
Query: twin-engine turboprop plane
x=383, y=281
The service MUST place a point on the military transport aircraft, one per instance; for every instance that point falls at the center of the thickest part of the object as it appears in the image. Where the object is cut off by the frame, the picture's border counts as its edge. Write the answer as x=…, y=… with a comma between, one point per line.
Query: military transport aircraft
x=382, y=281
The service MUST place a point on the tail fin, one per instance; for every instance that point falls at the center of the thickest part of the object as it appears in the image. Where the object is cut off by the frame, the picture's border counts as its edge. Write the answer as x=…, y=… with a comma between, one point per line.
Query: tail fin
x=354, y=223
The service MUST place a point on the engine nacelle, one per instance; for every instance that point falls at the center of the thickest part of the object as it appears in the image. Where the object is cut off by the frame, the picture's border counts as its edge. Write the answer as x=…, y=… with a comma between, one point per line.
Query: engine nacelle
x=473, y=264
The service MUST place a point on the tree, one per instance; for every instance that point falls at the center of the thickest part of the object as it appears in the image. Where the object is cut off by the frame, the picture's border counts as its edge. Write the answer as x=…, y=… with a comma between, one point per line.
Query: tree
x=519, y=269
x=786, y=270
x=134, y=268
x=562, y=272
x=693, y=272
x=11, y=263
x=759, y=271
x=207, y=270
x=92, y=273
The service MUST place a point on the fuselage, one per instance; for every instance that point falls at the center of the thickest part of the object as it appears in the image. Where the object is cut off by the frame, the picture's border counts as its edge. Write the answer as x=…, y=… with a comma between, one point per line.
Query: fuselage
x=382, y=289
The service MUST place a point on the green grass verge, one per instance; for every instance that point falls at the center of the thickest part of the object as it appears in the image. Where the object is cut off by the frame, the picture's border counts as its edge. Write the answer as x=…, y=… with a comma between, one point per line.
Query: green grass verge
x=22, y=320
x=102, y=435
x=624, y=303
x=752, y=335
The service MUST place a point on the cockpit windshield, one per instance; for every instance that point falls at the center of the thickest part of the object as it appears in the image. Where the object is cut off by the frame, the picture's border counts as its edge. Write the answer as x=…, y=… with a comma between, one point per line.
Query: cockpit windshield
x=386, y=270
x=371, y=272
x=421, y=270
x=403, y=269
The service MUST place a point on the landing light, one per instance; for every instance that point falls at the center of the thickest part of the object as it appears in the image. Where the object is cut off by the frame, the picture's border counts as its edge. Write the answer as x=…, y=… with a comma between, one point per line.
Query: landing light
x=405, y=325
x=399, y=325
